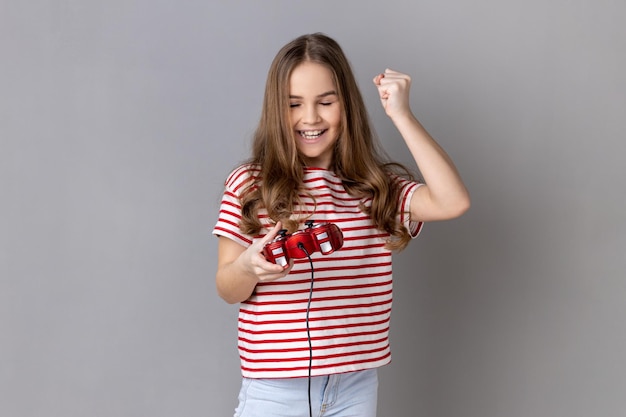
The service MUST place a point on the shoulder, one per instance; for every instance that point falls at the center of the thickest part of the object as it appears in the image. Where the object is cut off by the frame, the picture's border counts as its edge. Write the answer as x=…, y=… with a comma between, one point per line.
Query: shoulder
x=405, y=185
x=400, y=178
x=402, y=181
x=242, y=177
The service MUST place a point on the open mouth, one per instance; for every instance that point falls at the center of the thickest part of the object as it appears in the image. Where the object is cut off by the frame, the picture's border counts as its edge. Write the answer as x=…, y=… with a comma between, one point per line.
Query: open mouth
x=311, y=134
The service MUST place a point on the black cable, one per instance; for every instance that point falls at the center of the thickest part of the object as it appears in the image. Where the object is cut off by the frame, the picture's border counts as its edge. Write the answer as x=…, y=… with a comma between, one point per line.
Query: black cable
x=308, y=328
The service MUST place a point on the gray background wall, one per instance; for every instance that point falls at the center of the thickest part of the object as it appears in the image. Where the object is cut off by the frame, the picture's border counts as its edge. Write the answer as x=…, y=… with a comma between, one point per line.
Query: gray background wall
x=120, y=119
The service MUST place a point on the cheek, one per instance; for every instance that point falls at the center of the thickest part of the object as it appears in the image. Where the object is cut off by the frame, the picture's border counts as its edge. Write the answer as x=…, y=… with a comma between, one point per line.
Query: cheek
x=293, y=117
x=334, y=118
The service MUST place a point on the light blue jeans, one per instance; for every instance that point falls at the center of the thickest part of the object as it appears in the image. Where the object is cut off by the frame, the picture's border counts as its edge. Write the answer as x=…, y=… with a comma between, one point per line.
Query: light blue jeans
x=352, y=394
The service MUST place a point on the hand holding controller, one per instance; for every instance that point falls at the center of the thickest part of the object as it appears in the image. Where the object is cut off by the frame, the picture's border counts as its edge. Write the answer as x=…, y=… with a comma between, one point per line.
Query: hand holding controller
x=324, y=238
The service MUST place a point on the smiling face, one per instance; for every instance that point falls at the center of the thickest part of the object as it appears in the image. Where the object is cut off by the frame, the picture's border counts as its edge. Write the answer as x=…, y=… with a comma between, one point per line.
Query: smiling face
x=315, y=112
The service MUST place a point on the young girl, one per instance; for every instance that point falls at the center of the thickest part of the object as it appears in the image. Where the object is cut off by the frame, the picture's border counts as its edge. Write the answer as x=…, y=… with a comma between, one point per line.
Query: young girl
x=313, y=332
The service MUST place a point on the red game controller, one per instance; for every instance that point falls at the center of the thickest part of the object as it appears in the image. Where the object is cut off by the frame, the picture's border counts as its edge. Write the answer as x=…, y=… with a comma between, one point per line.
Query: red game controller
x=324, y=238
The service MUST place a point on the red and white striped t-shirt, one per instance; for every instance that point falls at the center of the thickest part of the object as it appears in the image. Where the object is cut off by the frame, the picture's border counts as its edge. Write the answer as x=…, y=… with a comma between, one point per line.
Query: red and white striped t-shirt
x=351, y=303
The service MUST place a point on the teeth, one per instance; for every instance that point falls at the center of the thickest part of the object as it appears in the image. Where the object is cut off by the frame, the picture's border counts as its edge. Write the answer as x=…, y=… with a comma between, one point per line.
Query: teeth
x=311, y=134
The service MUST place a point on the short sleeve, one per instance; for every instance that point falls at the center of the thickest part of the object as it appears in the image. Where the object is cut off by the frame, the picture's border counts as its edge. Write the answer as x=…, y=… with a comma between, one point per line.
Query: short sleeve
x=407, y=188
x=229, y=217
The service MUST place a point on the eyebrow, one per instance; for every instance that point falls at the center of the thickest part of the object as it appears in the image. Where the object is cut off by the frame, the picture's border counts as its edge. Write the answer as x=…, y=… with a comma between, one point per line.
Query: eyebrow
x=326, y=94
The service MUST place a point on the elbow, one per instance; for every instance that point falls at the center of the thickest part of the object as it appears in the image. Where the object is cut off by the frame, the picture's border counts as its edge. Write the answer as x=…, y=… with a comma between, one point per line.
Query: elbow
x=229, y=292
x=429, y=206
x=227, y=296
x=463, y=205
x=222, y=290
x=455, y=208
x=231, y=301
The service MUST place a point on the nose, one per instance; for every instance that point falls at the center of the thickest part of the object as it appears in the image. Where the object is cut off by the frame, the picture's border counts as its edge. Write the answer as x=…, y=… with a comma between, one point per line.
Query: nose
x=310, y=115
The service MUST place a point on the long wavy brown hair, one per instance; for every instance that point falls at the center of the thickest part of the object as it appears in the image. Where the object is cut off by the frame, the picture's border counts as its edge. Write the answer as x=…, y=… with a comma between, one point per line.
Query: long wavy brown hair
x=357, y=160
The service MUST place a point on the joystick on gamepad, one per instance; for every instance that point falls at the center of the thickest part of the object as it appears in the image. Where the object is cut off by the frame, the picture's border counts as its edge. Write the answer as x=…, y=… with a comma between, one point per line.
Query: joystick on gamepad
x=324, y=238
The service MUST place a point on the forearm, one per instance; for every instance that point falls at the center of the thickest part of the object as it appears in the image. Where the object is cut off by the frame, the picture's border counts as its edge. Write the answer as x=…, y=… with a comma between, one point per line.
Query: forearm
x=234, y=283
x=240, y=269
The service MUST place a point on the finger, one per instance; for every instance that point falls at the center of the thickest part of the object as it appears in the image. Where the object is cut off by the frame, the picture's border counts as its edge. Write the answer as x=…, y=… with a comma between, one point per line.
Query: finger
x=260, y=261
x=273, y=277
x=271, y=234
x=255, y=250
x=393, y=86
x=393, y=79
x=387, y=88
x=389, y=71
x=264, y=268
x=382, y=89
x=391, y=74
x=288, y=267
x=273, y=271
